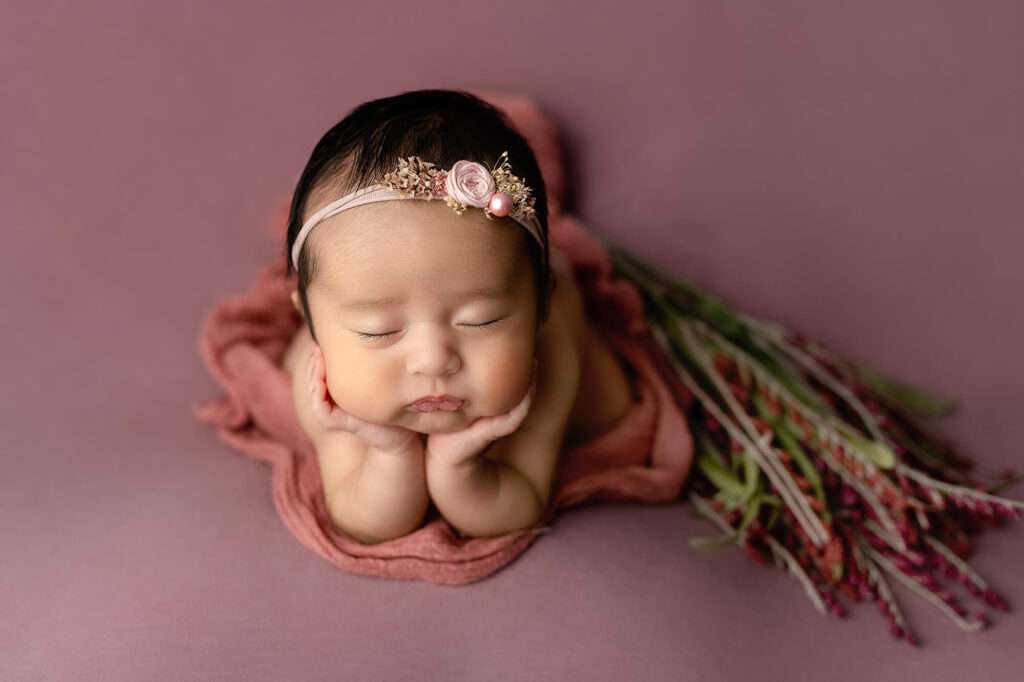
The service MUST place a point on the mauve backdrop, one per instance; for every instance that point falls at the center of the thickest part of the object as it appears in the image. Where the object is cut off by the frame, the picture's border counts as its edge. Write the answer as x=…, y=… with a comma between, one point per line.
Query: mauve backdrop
x=851, y=169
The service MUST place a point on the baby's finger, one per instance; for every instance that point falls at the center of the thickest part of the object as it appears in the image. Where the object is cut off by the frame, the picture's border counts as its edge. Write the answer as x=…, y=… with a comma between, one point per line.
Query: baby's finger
x=316, y=388
x=320, y=407
x=502, y=425
x=329, y=414
x=318, y=397
x=310, y=369
x=518, y=413
x=520, y=410
x=523, y=407
x=314, y=367
x=319, y=369
x=320, y=379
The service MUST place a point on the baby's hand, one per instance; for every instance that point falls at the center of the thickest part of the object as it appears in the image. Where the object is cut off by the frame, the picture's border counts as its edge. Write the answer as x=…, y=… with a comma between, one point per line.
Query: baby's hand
x=461, y=447
x=383, y=438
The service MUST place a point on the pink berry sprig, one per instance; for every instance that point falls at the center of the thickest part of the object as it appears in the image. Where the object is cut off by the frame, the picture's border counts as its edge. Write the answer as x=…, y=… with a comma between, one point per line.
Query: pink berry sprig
x=883, y=595
x=954, y=568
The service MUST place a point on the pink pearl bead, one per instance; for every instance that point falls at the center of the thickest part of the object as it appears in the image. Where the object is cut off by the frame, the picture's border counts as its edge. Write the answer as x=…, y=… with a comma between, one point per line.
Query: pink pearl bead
x=501, y=204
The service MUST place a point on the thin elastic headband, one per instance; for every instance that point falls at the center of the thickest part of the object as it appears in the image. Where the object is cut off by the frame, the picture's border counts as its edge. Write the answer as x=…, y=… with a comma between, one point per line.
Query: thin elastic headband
x=467, y=183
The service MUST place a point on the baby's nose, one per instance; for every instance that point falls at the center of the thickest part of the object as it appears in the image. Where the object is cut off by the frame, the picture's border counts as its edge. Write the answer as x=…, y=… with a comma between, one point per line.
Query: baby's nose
x=433, y=355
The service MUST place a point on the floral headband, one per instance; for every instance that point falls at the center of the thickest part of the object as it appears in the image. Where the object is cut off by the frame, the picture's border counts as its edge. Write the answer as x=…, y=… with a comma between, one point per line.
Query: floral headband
x=467, y=183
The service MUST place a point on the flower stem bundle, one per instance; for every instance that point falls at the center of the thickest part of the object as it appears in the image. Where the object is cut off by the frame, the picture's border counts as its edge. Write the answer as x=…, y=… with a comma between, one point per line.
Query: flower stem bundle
x=818, y=464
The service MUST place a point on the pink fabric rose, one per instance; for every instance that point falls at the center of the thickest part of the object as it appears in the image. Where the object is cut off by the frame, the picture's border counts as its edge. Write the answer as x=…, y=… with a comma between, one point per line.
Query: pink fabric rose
x=470, y=183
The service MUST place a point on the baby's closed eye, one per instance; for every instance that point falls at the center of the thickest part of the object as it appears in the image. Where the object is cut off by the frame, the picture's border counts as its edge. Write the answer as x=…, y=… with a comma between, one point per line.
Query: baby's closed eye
x=370, y=336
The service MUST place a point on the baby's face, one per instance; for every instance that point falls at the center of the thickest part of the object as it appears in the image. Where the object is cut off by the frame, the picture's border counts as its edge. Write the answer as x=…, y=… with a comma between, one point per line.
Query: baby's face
x=443, y=275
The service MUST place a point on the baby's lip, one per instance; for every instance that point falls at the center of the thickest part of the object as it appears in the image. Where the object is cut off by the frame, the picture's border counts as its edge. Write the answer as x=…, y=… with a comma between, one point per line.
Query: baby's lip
x=432, y=403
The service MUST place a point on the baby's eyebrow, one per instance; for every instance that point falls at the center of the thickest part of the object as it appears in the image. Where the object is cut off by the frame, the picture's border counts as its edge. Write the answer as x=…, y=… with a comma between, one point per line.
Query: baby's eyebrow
x=373, y=303
x=484, y=292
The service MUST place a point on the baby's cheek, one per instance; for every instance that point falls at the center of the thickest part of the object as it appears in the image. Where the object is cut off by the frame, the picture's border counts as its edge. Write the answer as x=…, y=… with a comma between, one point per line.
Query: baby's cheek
x=505, y=377
x=352, y=391
x=335, y=387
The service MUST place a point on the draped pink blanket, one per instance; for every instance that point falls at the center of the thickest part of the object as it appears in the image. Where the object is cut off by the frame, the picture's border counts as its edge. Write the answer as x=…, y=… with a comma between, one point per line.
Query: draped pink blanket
x=644, y=458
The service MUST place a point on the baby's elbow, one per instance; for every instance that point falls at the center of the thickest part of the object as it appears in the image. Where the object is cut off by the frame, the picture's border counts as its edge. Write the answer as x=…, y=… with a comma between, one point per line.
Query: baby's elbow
x=366, y=531
x=371, y=535
x=362, y=538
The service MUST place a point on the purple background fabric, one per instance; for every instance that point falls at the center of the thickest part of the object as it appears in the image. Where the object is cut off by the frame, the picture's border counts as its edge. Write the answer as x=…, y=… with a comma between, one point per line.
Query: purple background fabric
x=850, y=169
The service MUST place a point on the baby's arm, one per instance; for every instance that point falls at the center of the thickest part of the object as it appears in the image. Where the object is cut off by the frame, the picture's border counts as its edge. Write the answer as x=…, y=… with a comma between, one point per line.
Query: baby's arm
x=482, y=497
x=506, y=487
x=383, y=497
x=373, y=476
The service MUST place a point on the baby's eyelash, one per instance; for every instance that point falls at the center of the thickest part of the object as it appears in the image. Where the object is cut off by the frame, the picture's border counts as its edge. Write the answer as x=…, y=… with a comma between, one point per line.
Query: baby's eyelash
x=370, y=337
x=487, y=324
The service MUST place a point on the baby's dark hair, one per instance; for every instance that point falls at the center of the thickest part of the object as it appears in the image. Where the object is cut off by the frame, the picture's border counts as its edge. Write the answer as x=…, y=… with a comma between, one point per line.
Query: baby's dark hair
x=440, y=126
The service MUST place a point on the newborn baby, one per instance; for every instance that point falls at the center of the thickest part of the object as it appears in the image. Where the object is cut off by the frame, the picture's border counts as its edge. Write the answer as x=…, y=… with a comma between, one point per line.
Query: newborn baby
x=438, y=361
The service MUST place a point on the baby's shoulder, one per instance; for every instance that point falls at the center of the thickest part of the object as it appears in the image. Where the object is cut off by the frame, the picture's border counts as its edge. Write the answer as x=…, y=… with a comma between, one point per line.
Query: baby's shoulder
x=566, y=299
